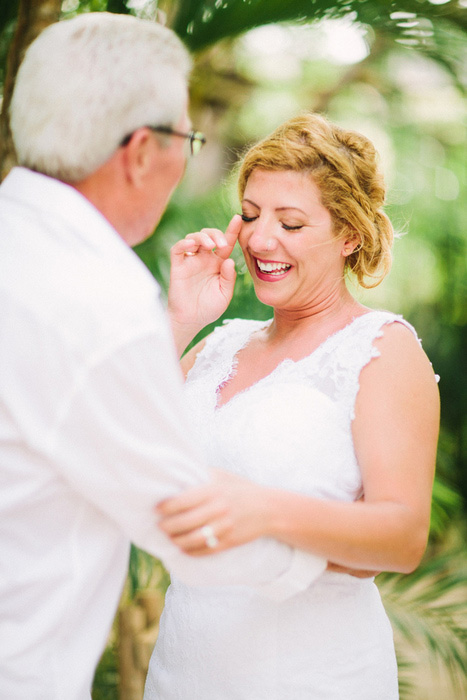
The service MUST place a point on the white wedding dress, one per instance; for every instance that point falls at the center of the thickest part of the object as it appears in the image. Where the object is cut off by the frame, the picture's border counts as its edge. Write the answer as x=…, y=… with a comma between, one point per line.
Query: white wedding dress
x=290, y=430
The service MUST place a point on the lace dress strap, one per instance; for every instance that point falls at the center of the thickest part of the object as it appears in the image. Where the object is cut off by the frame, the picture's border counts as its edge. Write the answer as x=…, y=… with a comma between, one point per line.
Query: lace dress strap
x=340, y=360
x=216, y=361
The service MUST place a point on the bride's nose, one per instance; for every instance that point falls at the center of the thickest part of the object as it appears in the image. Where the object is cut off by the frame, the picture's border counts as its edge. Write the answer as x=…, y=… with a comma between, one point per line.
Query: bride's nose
x=262, y=239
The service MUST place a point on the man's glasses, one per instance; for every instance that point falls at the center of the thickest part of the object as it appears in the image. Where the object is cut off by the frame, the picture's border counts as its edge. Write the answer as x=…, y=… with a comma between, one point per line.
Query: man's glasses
x=195, y=138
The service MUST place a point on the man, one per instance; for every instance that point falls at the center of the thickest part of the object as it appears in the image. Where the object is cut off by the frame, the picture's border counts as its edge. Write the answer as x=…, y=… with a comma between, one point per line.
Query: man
x=92, y=425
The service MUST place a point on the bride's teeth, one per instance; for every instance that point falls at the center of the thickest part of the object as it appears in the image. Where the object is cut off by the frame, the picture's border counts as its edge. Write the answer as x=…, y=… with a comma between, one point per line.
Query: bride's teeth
x=272, y=267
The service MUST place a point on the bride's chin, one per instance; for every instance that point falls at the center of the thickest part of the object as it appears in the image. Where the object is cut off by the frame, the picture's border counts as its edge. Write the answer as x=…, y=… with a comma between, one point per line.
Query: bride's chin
x=268, y=299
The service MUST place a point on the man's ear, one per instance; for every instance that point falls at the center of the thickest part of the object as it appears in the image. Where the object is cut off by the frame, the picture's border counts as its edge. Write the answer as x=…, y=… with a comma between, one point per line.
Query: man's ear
x=138, y=156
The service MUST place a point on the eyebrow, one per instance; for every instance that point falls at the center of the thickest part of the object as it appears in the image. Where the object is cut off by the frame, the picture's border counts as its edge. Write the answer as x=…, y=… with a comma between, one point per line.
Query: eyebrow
x=277, y=208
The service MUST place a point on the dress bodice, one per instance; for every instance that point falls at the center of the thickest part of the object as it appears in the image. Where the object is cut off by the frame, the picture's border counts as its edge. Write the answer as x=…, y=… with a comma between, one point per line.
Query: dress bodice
x=293, y=428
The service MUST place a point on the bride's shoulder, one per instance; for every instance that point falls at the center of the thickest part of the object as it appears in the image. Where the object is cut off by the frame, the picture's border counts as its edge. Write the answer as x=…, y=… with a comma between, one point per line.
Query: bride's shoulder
x=399, y=361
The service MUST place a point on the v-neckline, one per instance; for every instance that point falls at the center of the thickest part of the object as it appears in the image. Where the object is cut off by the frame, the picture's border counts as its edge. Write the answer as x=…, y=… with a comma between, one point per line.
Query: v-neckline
x=286, y=360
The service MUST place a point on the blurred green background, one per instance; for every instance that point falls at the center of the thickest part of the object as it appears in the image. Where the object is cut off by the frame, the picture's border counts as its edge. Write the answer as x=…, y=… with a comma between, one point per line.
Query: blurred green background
x=397, y=71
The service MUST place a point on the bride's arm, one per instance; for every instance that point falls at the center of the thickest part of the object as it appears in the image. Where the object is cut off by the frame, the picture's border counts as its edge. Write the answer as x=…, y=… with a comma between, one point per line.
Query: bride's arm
x=395, y=435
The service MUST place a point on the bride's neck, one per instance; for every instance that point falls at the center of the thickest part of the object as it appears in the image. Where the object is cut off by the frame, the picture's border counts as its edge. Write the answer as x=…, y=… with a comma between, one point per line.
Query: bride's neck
x=320, y=319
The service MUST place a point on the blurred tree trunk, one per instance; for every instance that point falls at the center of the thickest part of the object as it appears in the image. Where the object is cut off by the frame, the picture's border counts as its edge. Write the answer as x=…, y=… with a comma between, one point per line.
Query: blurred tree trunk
x=33, y=17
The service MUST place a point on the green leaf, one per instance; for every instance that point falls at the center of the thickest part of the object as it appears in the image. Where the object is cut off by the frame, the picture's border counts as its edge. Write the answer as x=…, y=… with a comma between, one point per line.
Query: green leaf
x=201, y=23
x=428, y=613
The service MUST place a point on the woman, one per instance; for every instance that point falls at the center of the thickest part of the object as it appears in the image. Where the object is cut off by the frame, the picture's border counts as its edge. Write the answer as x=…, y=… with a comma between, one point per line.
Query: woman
x=330, y=408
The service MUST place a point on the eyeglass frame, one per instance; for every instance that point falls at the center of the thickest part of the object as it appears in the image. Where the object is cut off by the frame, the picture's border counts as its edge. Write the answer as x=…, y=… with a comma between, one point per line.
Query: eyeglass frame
x=191, y=135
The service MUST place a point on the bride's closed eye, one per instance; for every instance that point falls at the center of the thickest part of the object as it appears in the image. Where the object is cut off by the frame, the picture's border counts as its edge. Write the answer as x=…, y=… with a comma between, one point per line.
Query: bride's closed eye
x=292, y=228
x=287, y=227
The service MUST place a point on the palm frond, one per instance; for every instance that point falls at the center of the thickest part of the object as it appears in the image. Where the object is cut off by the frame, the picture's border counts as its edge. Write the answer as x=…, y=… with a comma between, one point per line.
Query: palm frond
x=428, y=613
x=446, y=505
x=201, y=23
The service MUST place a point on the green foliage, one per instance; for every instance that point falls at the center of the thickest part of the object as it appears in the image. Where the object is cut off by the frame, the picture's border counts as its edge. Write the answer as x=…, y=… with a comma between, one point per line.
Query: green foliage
x=105, y=686
x=201, y=23
x=429, y=617
x=145, y=572
x=118, y=6
x=446, y=506
x=75, y=7
x=8, y=12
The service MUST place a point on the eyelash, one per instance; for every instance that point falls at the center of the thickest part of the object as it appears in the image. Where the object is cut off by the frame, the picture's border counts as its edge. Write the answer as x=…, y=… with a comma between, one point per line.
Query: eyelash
x=249, y=219
x=292, y=228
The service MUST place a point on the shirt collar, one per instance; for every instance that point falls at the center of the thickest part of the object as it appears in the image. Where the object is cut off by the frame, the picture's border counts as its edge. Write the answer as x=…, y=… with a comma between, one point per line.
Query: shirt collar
x=54, y=198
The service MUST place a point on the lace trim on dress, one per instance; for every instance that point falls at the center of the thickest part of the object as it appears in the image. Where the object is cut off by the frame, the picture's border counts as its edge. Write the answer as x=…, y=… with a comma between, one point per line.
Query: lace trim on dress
x=333, y=367
x=217, y=361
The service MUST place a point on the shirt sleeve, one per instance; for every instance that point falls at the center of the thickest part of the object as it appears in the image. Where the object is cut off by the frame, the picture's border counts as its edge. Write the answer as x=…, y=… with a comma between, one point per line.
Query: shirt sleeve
x=124, y=442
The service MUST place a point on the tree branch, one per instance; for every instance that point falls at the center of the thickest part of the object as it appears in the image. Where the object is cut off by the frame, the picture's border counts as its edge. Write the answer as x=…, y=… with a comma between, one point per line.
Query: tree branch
x=33, y=17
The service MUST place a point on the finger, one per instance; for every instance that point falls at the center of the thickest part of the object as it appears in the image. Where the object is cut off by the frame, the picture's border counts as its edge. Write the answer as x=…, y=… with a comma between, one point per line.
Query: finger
x=192, y=243
x=191, y=498
x=180, y=251
x=206, y=238
x=193, y=519
x=181, y=247
x=217, y=236
x=232, y=231
x=230, y=238
x=195, y=541
x=212, y=236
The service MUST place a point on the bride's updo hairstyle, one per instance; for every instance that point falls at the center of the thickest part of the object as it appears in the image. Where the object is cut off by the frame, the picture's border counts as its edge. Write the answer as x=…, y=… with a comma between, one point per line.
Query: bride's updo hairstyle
x=343, y=164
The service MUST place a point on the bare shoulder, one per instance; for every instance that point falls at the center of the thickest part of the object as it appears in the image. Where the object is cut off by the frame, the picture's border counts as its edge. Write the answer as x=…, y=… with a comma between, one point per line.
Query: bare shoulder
x=401, y=368
x=398, y=347
x=188, y=360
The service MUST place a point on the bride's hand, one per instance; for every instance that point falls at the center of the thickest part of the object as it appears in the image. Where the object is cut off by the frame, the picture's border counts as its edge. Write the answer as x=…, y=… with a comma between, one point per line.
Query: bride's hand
x=225, y=513
x=202, y=275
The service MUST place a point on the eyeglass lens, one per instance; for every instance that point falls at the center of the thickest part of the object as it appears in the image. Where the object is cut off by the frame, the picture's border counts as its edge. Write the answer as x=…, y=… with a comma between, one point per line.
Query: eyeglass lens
x=197, y=141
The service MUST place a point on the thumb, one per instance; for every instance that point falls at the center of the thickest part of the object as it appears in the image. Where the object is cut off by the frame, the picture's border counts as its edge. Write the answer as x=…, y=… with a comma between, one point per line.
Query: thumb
x=227, y=277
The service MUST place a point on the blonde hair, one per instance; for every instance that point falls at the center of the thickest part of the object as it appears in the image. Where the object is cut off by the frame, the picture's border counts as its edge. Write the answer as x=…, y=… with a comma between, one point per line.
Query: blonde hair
x=344, y=166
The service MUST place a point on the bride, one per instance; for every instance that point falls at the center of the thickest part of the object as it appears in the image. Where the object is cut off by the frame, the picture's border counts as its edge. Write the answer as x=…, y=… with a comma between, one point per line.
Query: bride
x=323, y=420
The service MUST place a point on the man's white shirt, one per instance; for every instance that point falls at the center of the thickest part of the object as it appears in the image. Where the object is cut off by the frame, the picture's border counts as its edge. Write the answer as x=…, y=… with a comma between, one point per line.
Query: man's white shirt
x=93, y=433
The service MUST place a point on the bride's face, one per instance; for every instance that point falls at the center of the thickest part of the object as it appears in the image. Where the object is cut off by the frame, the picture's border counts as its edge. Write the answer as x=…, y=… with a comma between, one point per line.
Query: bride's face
x=288, y=242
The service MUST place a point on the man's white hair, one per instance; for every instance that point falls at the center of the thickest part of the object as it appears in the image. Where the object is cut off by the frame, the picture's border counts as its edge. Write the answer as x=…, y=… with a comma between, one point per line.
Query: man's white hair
x=86, y=83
